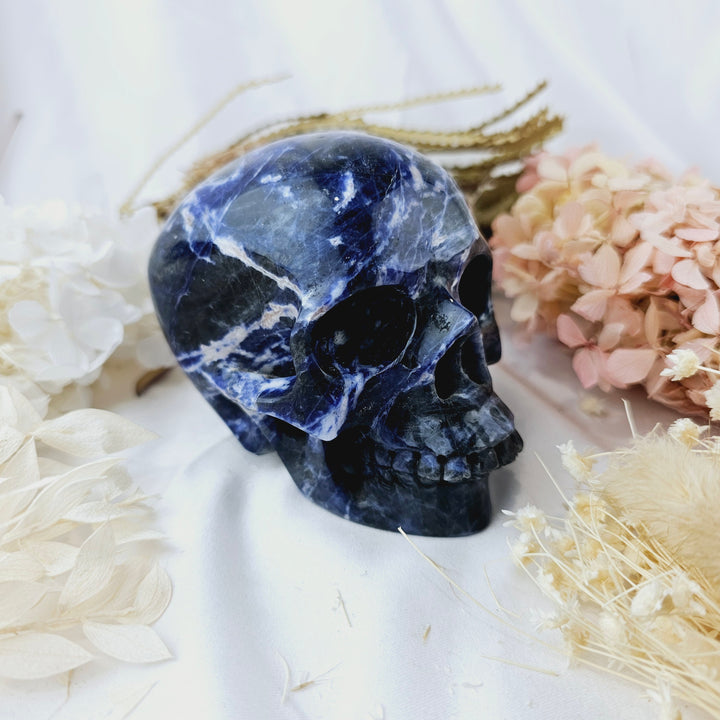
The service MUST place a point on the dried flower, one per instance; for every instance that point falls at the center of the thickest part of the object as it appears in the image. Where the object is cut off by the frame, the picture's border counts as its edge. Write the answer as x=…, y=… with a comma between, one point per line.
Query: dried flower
x=663, y=696
x=592, y=405
x=633, y=568
x=579, y=466
x=528, y=519
x=681, y=364
x=712, y=398
x=73, y=292
x=684, y=430
x=621, y=264
x=73, y=543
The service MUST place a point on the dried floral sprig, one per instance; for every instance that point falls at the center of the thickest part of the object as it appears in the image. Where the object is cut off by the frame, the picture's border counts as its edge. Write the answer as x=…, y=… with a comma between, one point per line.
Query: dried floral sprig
x=488, y=182
x=73, y=294
x=74, y=538
x=621, y=263
x=633, y=567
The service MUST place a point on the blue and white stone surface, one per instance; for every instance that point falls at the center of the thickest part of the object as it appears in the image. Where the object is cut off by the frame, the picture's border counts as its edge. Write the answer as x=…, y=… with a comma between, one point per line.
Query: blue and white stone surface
x=329, y=294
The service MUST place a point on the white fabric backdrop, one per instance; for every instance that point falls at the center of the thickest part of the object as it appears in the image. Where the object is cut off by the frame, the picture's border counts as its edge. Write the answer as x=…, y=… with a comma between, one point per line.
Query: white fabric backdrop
x=104, y=88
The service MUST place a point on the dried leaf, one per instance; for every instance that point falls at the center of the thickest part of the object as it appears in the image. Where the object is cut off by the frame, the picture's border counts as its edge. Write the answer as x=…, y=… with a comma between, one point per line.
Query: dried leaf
x=116, y=601
x=93, y=568
x=153, y=595
x=10, y=442
x=128, y=532
x=52, y=466
x=122, y=707
x=131, y=643
x=91, y=433
x=98, y=511
x=149, y=379
x=23, y=468
x=19, y=565
x=16, y=598
x=64, y=492
x=16, y=410
x=55, y=557
x=37, y=655
x=46, y=582
x=21, y=481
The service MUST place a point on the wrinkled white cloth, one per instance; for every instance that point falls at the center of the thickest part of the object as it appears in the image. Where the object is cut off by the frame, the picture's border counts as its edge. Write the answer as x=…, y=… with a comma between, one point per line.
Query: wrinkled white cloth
x=282, y=610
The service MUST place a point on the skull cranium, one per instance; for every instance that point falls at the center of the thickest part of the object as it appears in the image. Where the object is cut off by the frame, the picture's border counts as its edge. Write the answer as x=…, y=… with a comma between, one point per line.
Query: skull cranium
x=330, y=296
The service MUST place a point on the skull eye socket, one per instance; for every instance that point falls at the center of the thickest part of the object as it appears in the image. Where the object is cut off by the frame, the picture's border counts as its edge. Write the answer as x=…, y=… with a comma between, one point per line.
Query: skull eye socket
x=370, y=329
x=474, y=287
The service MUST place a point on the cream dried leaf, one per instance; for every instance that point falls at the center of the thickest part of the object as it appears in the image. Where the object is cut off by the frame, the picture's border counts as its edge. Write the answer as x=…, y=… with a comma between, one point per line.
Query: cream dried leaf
x=19, y=565
x=93, y=568
x=131, y=643
x=22, y=469
x=56, y=558
x=153, y=595
x=21, y=484
x=10, y=442
x=122, y=706
x=98, y=511
x=91, y=433
x=115, y=602
x=52, y=466
x=37, y=655
x=57, y=498
x=17, y=410
x=16, y=598
x=127, y=531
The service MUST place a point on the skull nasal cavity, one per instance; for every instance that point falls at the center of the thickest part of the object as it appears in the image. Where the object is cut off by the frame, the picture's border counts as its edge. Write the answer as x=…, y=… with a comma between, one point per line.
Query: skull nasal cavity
x=447, y=371
x=462, y=362
x=474, y=287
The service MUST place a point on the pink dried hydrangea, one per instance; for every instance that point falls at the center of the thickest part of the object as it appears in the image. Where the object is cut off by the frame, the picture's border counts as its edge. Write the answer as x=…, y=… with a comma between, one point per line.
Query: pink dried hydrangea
x=622, y=264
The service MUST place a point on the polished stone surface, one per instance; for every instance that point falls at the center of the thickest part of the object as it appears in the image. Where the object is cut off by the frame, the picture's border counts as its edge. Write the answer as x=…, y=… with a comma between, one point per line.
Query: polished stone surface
x=329, y=294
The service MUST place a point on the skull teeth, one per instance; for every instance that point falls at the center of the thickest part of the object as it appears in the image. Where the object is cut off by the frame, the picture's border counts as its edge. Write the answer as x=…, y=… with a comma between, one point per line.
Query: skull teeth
x=429, y=469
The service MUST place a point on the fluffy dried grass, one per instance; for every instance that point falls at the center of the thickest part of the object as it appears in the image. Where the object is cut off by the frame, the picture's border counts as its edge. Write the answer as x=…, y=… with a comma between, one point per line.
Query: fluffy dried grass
x=634, y=567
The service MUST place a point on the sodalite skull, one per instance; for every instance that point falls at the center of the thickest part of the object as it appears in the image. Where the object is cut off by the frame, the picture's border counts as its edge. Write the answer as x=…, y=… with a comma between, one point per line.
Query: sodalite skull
x=329, y=294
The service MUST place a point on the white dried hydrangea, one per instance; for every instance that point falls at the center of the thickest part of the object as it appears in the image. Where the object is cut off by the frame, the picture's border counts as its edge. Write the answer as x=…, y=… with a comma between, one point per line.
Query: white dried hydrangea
x=73, y=290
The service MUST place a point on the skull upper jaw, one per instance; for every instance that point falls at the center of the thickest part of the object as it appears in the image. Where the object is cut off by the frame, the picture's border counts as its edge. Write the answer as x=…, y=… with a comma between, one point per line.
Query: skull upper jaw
x=391, y=498
x=395, y=475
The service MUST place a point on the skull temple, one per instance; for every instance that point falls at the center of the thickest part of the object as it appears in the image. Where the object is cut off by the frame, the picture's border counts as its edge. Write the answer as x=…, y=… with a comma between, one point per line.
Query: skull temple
x=329, y=295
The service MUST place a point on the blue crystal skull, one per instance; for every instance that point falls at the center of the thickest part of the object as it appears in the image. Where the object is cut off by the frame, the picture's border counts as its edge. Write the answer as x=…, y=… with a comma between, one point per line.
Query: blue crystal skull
x=329, y=295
